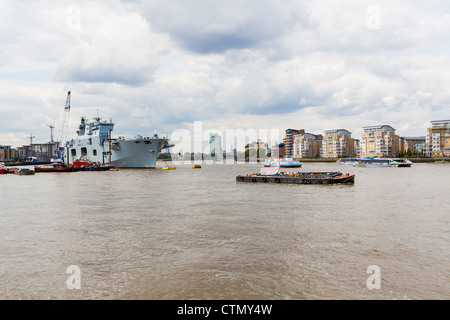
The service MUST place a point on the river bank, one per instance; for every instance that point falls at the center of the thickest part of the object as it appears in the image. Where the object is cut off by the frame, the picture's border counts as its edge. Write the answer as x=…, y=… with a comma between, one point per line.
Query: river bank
x=414, y=160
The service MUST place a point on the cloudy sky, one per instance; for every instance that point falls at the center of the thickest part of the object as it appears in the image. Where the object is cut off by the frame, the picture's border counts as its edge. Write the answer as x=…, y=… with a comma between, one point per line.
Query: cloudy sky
x=261, y=64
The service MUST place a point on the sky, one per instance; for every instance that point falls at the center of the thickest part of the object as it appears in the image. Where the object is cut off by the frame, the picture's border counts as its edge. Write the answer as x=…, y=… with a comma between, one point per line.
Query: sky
x=248, y=64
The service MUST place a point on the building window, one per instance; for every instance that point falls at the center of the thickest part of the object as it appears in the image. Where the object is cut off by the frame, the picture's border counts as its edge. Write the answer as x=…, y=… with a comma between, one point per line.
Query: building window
x=94, y=152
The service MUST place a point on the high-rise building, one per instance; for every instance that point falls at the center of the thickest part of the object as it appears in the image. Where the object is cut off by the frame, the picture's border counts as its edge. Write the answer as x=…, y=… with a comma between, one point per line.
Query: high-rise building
x=307, y=145
x=7, y=153
x=402, y=145
x=215, y=146
x=277, y=150
x=338, y=143
x=289, y=141
x=415, y=144
x=379, y=141
x=357, y=148
x=438, y=139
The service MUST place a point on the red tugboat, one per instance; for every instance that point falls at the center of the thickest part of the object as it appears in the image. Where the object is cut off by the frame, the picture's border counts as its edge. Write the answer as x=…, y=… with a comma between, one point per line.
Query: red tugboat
x=3, y=169
x=86, y=165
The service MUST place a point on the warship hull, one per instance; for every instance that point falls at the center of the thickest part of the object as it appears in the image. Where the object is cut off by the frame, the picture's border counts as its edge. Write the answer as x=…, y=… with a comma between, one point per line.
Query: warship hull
x=95, y=144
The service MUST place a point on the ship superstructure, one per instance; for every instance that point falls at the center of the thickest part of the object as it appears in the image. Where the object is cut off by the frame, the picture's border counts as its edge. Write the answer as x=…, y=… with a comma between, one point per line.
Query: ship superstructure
x=95, y=143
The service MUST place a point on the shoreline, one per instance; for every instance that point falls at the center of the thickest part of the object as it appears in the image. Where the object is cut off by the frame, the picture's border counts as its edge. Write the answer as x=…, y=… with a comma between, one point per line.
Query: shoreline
x=414, y=160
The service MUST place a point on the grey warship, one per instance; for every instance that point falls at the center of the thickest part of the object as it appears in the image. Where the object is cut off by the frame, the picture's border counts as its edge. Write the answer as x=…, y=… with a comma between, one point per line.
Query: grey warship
x=95, y=143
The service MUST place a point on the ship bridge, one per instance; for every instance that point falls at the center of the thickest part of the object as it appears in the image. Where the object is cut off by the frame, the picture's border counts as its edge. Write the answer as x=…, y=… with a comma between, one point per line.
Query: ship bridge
x=96, y=127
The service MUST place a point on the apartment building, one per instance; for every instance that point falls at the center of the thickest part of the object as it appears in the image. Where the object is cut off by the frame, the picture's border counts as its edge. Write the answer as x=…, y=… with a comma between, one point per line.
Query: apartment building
x=414, y=144
x=438, y=139
x=338, y=143
x=257, y=149
x=289, y=141
x=7, y=153
x=278, y=151
x=307, y=145
x=356, y=148
x=379, y=141
x=402, y=145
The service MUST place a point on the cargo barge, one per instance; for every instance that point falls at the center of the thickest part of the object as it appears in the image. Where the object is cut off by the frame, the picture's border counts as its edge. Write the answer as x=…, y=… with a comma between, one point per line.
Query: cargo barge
x=300, y=178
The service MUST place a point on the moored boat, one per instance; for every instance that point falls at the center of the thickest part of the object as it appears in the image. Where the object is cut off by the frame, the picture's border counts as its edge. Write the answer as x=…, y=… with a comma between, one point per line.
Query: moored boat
x=378, y=162
x=282, y=163
x=95, y=142
x=24, y=172
x=84, y=164
x=54, y=168
x=3, y=169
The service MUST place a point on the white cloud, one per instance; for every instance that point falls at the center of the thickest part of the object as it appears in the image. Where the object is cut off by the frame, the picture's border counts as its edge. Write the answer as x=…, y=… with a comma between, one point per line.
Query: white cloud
x=111, y=45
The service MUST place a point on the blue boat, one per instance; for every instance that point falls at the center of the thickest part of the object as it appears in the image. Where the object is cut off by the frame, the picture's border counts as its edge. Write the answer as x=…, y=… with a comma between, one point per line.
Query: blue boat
x=282, y=163
x=379, y=162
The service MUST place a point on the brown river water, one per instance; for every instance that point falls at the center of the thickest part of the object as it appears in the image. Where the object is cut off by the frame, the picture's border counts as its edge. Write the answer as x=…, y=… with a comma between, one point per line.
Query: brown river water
x=198, y=234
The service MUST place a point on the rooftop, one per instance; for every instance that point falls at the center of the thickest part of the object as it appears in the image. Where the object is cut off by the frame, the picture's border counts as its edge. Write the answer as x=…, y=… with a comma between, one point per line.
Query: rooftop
x=337, y=130
x=383, y=127
x=414, y=138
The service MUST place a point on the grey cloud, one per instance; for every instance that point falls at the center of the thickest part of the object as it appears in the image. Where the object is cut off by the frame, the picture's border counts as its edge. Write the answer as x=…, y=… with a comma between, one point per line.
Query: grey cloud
x=218, y=26
x=106, y=74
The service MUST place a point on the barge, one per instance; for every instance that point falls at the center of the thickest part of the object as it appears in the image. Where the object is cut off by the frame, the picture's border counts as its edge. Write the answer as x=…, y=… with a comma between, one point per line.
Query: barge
x=24, y=172
x=299, y=178
x=50, y=168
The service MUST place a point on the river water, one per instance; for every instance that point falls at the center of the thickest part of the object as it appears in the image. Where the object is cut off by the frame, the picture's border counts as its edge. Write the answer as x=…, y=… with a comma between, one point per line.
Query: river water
x=198, y=234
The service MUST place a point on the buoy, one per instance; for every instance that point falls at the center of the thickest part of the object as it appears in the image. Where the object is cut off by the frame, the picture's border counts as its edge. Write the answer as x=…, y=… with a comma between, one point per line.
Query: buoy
x=196, y=166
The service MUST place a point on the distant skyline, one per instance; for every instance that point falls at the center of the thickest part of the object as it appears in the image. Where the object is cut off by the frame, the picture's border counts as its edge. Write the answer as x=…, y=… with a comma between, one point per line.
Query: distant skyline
x=162, y=65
